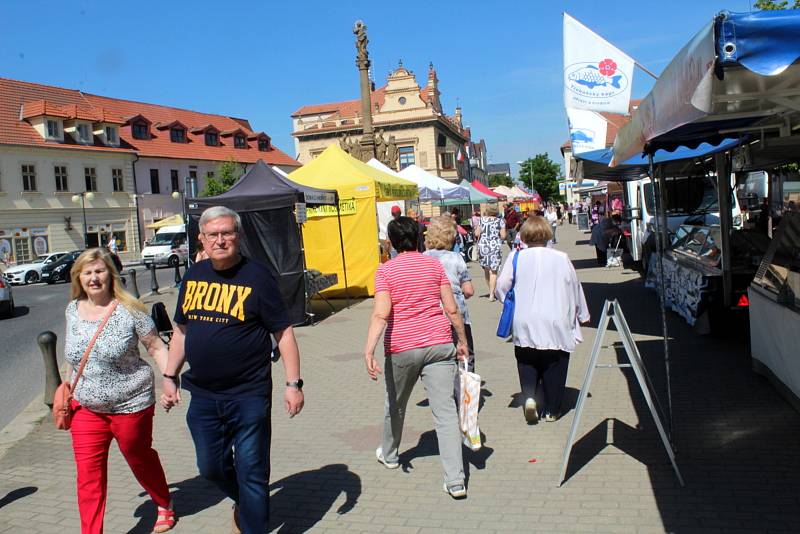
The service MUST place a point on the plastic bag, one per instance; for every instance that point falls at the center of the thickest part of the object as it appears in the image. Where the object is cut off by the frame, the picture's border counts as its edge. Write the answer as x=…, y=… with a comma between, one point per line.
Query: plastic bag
x=468, y=396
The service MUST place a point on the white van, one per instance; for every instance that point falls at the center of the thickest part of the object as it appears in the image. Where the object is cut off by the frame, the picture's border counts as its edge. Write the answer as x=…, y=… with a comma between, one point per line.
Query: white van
x=693, y=199
x=168, y=247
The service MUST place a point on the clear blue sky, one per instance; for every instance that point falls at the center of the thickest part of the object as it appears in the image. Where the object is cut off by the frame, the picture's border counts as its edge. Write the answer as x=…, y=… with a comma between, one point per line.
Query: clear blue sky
x=262, y=60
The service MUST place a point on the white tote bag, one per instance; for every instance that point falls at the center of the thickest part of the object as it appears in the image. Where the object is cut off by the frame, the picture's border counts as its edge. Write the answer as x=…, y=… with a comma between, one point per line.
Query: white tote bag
x=468, y=396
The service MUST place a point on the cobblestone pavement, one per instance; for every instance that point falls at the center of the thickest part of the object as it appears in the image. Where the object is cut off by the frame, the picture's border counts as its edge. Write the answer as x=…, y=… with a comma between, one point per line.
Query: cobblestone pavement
x=737, y=444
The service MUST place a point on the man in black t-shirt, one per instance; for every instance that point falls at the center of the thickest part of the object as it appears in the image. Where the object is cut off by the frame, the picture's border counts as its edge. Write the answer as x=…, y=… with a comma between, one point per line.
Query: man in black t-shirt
x=227, y=308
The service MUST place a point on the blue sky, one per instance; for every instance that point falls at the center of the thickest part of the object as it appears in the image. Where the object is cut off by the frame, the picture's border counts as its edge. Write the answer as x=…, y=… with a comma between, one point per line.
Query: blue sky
x=262, y=60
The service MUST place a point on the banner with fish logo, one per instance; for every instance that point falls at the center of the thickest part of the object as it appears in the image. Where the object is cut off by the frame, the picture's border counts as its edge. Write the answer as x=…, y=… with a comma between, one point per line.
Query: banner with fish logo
x=597, y=75
x=587, y=130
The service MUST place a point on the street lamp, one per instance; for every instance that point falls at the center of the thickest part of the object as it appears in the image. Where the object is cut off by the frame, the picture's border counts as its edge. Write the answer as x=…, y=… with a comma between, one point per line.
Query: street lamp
x=82, y=198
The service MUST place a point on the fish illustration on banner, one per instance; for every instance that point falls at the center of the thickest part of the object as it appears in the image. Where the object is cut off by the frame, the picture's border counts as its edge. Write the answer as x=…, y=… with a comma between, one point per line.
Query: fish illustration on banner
x=597, y=75
x=587, y=130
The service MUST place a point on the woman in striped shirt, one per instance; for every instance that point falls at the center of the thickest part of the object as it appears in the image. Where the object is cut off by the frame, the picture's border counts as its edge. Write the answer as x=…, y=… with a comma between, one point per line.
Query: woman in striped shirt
x=414, y=307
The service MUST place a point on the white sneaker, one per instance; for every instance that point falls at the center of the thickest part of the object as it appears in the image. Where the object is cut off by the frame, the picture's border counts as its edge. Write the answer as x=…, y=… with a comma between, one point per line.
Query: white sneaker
x=531, y=414
x=456, y=491
x=382, y=460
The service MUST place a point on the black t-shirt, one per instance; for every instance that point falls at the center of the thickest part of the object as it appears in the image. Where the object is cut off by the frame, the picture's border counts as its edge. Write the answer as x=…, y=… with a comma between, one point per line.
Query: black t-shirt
x=229, y=316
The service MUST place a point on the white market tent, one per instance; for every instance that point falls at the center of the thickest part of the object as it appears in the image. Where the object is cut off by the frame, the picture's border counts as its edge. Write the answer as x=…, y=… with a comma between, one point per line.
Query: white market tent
x=503, y=190
x=431, y=187
x=516, y=192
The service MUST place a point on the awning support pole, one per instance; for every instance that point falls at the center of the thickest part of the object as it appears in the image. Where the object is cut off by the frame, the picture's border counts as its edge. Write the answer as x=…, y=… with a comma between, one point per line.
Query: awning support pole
x=725, y=223
x=341, y=244
x=662, y=286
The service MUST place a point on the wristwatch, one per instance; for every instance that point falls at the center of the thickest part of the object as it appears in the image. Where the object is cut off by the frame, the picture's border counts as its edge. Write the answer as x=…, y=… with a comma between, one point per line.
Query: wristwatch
x=174, y=378
x=297, y=384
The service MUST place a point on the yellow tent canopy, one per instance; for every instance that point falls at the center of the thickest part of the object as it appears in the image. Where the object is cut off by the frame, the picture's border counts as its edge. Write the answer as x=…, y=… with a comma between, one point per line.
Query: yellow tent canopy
x=359, y=187
x=169, y=221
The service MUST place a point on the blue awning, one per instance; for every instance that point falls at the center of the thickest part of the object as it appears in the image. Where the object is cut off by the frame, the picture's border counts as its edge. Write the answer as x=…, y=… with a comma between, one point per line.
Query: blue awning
x=764, y=42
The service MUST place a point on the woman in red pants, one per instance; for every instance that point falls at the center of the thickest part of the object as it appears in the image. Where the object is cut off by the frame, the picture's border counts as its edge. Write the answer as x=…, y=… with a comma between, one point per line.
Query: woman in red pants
x=114, y=398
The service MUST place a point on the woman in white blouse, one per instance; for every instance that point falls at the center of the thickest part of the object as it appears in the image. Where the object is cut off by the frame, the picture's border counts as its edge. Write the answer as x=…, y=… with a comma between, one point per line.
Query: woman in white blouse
x=550, y=308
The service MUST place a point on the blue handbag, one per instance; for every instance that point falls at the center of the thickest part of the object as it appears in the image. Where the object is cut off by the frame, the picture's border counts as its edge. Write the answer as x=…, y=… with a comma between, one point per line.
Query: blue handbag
x=507, y=317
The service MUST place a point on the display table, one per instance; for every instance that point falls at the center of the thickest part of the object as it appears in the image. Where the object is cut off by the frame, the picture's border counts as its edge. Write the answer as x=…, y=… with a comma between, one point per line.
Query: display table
x=775, y=311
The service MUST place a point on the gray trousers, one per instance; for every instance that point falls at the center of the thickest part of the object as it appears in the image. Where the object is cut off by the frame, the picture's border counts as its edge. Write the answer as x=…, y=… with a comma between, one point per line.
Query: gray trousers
x=436, y=366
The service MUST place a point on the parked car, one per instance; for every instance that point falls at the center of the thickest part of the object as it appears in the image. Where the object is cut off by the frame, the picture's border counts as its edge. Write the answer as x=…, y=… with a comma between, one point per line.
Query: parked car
x=30, y=273
x=6, y=299
x=58, y=271
x=168, y=246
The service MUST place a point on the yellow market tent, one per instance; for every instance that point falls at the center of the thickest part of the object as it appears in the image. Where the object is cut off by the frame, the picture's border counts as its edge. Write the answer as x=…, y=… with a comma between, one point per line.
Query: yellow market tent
x=359, y=187
x=169, y=221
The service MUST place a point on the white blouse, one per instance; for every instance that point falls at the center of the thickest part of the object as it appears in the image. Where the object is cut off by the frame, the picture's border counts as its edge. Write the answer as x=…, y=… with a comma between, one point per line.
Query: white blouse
x=550, y=304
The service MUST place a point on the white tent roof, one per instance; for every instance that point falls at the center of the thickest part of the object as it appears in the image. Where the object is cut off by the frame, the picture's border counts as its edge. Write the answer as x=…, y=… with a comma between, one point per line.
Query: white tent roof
x=503, y=190
x=519, y=193
x=375, y=164
x=431, y=187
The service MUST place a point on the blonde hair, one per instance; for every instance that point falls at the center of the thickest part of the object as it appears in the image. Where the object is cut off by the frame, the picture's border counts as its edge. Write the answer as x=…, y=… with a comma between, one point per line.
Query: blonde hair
x=492, y=210
x=441, y=233
x=93, y=254
x=535, y=231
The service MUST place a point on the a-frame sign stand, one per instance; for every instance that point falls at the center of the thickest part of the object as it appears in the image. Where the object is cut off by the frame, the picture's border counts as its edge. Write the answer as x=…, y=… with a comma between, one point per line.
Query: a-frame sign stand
x=613, y=312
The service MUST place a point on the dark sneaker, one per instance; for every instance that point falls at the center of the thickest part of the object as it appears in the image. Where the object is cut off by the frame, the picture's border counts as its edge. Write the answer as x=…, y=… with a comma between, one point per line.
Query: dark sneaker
x=531, y=415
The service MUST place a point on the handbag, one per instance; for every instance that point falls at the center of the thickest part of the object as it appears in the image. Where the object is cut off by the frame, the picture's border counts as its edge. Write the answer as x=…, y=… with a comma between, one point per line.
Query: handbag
x=507, y=317
x=62, y=400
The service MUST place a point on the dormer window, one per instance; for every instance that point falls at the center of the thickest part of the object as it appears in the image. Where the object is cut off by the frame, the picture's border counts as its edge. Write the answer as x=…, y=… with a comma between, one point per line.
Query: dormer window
x=212, y=138
x=177, y=135
x=84, y=135
x=239, y=141
x=263, y=144
x=140, y=130
x=112, y=137
x=53, y=129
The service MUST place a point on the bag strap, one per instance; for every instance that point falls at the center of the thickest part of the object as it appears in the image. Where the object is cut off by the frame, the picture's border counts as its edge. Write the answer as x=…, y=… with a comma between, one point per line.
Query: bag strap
x=85, y=356
x=514, y=276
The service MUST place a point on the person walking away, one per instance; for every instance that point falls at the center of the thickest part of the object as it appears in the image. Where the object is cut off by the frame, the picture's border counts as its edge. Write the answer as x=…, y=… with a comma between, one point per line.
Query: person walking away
x=552, y=219
x=415, y=309
x=490, y=234
x=512, y=224
x=420, y=229
x=439, y=240
x=115, y=396
x=550, y=308
x=559, y=214
x=227, y=308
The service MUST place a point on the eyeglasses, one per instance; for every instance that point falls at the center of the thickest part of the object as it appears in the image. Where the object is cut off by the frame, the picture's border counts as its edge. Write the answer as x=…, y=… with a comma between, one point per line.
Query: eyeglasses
x=214, y=236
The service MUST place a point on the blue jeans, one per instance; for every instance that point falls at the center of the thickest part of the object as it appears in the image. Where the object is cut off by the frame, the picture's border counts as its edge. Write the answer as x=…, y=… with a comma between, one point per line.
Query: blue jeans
x=218, y=428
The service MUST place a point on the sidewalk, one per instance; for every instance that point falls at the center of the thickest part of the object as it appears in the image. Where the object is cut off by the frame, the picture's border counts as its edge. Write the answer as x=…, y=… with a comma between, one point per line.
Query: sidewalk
x=736, y=442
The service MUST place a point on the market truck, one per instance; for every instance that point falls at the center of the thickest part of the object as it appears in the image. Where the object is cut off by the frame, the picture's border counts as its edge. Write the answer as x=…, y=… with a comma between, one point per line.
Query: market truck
x=168, y=247
x=691, y=200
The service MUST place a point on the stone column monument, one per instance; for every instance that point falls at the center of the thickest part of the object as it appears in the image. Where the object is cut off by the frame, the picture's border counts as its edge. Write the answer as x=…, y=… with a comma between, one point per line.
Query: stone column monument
x=367, y=141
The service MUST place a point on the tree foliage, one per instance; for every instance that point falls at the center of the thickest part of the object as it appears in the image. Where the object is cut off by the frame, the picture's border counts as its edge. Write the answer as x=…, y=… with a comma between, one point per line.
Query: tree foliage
x=771, y=5
x=500, y=178
x=545, y=172
x=228, y=172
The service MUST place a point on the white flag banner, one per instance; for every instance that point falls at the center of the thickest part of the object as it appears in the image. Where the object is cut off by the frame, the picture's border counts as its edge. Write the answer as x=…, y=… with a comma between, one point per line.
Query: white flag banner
x=587, y=130
x=597, y=75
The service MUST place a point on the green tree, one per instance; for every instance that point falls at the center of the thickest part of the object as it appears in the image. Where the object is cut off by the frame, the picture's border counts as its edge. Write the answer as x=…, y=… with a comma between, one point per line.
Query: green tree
x=500, y=178
x=228, y=172
x=771, y=5
x=545, y=172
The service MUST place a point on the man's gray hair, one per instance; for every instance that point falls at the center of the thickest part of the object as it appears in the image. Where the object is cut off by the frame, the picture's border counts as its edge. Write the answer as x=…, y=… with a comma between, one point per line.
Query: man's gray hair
x=215, y=212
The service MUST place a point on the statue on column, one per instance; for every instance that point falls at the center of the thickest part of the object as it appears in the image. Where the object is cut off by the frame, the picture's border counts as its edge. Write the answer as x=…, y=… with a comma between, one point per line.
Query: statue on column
x=362, y=57
x=391, y=153
x=380, y=146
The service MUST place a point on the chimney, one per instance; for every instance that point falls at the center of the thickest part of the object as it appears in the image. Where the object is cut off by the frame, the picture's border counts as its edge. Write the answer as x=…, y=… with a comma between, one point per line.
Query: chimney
x=458, y=116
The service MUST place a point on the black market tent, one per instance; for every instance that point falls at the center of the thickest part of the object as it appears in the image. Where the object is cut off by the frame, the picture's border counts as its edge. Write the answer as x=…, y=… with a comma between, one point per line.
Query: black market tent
x=266, y=201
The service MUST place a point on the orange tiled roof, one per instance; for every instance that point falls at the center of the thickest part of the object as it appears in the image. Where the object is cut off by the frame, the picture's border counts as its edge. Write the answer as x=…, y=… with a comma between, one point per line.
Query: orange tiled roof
x=347, y=108
x=23, y=98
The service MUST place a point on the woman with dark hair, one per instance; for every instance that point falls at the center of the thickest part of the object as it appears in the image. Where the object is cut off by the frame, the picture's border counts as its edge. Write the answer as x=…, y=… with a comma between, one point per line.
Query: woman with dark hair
x=550, y=308
x=414, y=309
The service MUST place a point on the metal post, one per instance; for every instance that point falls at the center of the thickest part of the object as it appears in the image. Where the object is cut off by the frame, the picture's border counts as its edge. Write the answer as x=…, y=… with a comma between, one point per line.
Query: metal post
x=178, y=277
x=85, y=231
x=153, y=279
x=341, y=246
x=661, y=292
x=725, y=223
x=52, y=378
x=133, y=288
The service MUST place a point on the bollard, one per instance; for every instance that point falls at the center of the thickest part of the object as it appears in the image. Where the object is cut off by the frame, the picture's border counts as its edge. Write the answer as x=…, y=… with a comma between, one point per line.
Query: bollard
x=134, y=289
x=153, y=279
x=52, y=378
x=178, y=276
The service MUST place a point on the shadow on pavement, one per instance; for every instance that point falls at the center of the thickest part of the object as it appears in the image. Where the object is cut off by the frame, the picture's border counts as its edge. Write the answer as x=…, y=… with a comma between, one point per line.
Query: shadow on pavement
x=190, y=497
x=20, y=311
x=302, y=499
x=328, y=311
x=19, y=493
x=427, y=445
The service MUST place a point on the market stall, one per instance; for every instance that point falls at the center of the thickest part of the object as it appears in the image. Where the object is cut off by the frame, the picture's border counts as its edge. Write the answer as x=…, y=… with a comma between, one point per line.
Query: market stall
x=486, y=191
x=270, y=233
x=359, y=187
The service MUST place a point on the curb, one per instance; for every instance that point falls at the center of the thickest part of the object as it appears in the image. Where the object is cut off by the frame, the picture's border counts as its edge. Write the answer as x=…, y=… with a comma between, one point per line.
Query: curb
x=23, y=424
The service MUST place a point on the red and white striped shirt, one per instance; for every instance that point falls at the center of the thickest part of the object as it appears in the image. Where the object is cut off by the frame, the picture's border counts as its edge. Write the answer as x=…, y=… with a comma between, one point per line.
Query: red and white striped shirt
x=417, y=320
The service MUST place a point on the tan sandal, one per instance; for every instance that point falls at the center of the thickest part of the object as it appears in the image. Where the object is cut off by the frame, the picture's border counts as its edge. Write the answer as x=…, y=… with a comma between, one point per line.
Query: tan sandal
x=166, y=520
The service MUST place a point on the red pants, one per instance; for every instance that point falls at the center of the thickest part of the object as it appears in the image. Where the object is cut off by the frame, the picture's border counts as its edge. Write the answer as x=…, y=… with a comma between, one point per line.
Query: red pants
x=91, y=438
